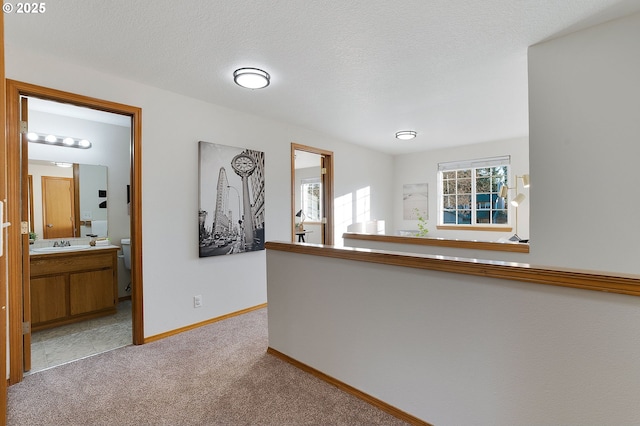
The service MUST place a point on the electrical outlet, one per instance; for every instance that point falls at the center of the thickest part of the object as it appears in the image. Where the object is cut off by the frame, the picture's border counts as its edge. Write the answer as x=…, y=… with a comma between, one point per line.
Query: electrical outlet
x=197, y=301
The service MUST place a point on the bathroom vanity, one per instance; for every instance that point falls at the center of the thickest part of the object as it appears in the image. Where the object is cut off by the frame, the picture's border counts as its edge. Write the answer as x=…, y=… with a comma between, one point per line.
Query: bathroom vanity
x=72, y=285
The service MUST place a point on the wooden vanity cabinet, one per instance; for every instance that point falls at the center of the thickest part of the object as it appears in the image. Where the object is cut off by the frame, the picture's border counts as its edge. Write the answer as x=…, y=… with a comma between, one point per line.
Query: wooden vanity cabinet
x=73, y=286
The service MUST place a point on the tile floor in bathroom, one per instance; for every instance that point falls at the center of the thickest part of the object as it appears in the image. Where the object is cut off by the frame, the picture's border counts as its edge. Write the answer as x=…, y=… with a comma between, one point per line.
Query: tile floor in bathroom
x=60, y=345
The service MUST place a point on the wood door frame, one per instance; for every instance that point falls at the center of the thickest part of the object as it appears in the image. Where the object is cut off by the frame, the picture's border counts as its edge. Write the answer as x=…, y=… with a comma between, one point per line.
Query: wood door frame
x=327, y=189
x=4, y=258
x=14, y=90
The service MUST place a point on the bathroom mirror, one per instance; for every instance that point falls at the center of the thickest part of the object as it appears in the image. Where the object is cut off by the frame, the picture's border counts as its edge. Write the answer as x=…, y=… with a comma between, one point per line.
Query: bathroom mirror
x=71, y=197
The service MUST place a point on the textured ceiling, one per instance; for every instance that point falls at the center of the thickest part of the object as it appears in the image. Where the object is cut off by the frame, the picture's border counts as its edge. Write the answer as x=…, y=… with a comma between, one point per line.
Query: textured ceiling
x=453, y=70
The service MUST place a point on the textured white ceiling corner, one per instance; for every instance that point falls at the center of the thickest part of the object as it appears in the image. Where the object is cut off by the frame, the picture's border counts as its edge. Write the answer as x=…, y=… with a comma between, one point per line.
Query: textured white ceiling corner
x=453, y=70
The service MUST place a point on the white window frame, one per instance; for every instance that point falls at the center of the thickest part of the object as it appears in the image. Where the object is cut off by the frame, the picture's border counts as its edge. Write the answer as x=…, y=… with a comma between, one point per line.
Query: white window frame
x=309, y=211
x=474, y=208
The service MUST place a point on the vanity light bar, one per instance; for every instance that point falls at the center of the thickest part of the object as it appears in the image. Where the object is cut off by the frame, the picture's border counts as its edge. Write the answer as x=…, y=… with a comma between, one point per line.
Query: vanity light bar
x=65, y=141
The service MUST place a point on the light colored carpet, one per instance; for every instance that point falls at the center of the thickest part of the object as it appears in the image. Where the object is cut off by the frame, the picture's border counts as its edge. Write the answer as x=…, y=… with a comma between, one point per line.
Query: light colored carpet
x=218, y=374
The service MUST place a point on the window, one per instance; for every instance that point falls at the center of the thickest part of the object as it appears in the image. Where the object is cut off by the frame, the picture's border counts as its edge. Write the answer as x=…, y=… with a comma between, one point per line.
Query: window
x=311, y=199
x=469, y=192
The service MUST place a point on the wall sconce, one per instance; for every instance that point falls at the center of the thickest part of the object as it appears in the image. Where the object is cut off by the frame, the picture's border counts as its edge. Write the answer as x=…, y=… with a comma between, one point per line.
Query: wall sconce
x=54, y=140
x=519, y=198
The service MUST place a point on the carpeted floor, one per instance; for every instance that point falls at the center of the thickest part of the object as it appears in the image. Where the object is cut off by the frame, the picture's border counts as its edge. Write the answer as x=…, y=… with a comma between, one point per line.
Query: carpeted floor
x=219, y=374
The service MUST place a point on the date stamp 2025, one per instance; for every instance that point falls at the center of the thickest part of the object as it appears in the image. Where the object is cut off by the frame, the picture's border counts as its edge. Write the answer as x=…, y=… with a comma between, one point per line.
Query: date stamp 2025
x=24, y=8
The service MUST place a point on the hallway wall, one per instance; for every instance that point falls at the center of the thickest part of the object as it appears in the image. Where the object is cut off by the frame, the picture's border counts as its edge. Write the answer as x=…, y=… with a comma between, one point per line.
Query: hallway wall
x=172, y=126
x=584, y=150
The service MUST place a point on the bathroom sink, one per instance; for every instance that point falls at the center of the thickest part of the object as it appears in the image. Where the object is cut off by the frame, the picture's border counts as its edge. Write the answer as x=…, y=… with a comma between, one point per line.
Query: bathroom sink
x=60, y=249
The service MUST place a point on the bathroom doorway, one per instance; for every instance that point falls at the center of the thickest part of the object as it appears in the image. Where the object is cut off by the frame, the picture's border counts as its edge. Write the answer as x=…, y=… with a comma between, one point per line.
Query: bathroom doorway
x=19, y=272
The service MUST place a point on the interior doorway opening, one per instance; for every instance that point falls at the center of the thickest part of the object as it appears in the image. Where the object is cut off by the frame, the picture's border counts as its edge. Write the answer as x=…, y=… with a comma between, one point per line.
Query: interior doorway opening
x=311, y=195
x=17, y=174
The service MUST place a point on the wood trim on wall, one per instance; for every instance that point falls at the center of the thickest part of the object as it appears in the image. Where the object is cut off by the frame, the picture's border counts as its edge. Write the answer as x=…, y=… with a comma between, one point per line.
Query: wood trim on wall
x=564, y=277
x=4, y=258
x=440, y=242
x=15, y=89
x=14, y=239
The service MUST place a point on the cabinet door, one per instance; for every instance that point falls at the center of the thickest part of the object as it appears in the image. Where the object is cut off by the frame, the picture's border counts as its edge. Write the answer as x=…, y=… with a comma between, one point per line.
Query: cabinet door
x=48, y=299
x=91, y=291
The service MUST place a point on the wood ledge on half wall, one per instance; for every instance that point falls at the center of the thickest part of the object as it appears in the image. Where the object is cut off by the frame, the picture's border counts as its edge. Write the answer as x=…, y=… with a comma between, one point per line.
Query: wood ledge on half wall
x=609, y=282
x=441, y=242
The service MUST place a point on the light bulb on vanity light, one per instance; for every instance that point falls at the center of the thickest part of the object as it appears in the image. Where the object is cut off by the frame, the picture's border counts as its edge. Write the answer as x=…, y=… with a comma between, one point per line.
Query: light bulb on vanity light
x=62, y=141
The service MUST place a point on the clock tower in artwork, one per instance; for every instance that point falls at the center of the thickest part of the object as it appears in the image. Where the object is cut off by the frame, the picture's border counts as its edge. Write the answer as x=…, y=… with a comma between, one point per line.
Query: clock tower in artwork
x=244, y=165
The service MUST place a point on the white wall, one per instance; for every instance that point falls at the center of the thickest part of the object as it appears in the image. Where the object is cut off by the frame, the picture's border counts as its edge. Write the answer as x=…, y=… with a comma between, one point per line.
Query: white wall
x=585, y=147
x=372, y=173
x=172, y=126
x=456, y=349
x=423, y=168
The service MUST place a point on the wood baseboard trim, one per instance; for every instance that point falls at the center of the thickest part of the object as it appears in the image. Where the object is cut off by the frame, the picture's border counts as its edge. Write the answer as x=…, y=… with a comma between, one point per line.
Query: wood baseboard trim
x=350, y=389
x=200, y=324
x=123, y=298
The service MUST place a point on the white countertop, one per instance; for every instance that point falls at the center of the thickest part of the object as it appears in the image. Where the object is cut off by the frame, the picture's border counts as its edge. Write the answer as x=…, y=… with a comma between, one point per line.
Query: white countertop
x=69, y=249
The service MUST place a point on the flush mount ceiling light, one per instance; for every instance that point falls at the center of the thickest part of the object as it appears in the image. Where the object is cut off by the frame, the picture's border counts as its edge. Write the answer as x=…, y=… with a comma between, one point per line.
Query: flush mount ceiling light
x=54, y=140
x=251, y=78
x=405, y=135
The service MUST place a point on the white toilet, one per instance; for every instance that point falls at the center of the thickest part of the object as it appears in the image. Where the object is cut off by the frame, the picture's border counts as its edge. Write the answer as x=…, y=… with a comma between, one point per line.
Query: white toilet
x=126, y=252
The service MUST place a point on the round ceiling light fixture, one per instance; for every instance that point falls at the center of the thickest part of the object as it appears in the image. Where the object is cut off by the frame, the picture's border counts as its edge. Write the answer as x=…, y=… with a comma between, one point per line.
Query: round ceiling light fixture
x=251, y=78
x=405, y=135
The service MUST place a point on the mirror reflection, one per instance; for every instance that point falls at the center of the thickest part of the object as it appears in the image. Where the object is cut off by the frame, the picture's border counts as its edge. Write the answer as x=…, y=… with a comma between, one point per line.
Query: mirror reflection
x=67, y=200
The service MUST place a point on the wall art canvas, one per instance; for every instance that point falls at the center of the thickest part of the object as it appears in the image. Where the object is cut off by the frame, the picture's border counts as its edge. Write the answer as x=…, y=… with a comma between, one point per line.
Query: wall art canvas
x=231, y=210
x=415, y=196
